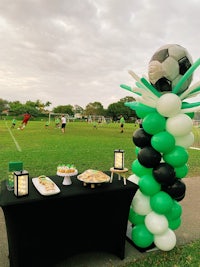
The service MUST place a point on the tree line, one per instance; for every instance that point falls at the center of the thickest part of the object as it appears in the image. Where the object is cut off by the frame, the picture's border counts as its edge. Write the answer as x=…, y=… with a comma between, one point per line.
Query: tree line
x=38, y=108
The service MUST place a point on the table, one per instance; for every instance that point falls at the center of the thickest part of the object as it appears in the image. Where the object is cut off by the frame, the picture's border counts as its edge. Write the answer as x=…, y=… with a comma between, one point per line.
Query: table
x=43, y=230
x=119, y=173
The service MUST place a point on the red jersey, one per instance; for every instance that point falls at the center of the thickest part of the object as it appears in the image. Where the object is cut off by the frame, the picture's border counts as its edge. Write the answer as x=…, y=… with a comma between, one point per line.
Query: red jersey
x=26, y=117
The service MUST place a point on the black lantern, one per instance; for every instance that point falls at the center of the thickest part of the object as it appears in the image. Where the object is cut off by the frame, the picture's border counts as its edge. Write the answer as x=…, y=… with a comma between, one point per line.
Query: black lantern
x=21, y=183
x=119, y=159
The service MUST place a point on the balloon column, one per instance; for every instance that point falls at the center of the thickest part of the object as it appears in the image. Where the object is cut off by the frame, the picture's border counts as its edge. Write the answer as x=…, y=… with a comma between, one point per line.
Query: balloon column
x=161, y=149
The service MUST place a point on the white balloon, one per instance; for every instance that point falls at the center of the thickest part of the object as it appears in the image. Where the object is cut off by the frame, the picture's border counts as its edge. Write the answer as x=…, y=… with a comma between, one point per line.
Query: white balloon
x=184, y=141
x=165, y=241
x=156, y=223
x=179, y=125
x=141, y=203
x=134, y=179
x=168, y=105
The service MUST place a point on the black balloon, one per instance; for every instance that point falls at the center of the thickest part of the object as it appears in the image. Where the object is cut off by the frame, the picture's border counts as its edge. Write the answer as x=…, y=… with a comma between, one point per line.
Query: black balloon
x=149, y=157
x=164, y=174
x=141, y=138
x=178, y=199
x=176, y=191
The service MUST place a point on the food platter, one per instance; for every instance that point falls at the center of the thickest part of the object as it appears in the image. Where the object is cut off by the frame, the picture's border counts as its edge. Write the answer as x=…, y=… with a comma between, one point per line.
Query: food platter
x=93, y=177
x=46, y=189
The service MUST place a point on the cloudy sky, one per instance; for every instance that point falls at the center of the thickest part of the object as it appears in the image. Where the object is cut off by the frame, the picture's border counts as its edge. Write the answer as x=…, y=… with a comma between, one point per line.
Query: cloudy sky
x=79, y=51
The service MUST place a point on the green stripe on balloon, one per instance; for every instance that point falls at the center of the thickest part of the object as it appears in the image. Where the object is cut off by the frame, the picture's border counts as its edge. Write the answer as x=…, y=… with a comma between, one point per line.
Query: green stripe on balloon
x=190, y=105
x=150, y=87
x=194, y=91
x=124, y=86
x=131, y=105
x=139, y=107
x=128, y=88
x=186, y=76
x=139, y=85
x=137, y=93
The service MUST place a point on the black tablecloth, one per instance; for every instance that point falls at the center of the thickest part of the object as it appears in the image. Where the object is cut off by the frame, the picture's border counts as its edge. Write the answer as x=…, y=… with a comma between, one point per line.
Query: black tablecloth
x=43, y=230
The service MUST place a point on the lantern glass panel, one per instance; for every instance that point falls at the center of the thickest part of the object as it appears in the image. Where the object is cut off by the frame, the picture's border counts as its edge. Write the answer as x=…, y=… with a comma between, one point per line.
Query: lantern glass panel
x=119, y=159
x=21, y=183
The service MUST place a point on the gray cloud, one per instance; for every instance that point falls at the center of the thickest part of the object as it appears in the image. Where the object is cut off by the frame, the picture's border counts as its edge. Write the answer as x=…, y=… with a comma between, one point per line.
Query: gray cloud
x=77, y=52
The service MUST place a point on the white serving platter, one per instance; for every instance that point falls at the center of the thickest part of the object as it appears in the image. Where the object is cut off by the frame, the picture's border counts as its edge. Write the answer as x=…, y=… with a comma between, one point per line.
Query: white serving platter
x=41, y=188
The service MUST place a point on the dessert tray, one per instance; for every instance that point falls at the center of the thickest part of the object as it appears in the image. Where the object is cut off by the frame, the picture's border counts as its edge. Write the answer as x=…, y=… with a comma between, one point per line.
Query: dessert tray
x=67, y=177
x=45, y=185
x=93, y=177
x=63, y=174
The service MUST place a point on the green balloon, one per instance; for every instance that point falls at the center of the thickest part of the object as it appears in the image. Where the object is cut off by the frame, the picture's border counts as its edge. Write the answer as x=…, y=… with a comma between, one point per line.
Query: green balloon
x=175, y=211
x=130, y=216
x=175, y=224
x=181, y=171
x=137, y=150
x=177, y=157
x=136, y=218
x=148, y=185
x=139, y=169
x=163, y=142
x=141, y=236
x=154, y=123
x=161, y=202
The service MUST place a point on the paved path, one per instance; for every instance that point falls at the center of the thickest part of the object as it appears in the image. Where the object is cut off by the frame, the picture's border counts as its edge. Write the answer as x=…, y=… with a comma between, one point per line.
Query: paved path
x=187, y=232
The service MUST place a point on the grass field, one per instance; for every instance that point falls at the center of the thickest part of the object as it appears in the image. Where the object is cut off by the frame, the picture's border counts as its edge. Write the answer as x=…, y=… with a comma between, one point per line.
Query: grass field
x=41, y=150
x=182, y=256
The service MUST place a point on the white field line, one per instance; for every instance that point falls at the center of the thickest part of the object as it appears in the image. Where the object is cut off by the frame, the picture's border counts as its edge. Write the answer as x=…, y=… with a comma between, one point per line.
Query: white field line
x=196, y=148
x=15, y=141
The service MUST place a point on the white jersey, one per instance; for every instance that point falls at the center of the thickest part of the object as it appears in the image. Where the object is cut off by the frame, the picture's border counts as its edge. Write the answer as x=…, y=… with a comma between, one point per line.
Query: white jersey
x=63, y=120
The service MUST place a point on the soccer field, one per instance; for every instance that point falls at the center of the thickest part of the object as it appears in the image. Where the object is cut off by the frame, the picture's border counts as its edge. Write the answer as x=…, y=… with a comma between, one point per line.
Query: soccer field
x=41, y=149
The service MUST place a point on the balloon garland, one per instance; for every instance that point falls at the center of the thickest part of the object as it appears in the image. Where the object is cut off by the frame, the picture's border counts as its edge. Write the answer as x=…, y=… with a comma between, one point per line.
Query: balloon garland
x=161, y=164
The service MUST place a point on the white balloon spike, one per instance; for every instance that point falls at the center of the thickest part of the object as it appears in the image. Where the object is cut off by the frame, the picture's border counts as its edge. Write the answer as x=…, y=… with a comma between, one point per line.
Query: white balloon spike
x=189, y=90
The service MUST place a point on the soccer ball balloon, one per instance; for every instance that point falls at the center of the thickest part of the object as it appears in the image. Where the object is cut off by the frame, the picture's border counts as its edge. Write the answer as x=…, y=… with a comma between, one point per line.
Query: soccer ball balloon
x=166, y=67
